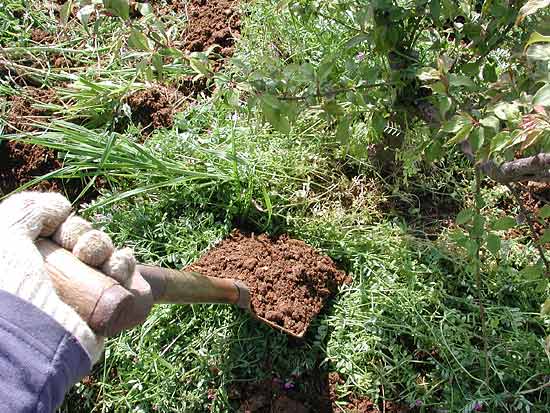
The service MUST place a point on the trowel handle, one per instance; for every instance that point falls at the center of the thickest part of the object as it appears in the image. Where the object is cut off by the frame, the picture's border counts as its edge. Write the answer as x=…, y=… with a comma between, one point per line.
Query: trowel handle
x=181, y=287
x=98, y=299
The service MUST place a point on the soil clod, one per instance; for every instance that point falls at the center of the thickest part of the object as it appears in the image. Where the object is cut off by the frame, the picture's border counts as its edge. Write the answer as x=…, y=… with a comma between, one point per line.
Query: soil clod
x=288, y=280
x=153, y=107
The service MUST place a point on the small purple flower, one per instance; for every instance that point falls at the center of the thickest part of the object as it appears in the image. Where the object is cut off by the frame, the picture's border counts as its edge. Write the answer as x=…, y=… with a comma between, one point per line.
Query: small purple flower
x=360, y=56
x=478, y=406
x=418, y=403
x=288, y=385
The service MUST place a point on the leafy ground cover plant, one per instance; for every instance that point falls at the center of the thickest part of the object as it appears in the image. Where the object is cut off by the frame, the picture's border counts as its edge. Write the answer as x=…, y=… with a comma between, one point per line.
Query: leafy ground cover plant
x=318, y=128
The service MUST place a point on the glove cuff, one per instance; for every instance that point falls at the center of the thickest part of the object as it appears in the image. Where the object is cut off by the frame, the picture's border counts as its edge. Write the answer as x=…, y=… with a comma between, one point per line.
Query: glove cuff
x=42, y=295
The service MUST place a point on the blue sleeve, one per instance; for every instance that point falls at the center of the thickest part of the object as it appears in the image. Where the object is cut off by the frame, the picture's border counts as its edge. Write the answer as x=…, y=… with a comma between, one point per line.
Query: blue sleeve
x=39, y=359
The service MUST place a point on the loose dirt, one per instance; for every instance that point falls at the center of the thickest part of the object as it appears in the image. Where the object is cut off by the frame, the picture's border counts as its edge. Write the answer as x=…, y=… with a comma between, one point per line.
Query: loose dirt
x=209, y=23
x=313, y=392
x=289, y=281
x=154, y=107
x=20, y=163
x=24, y=112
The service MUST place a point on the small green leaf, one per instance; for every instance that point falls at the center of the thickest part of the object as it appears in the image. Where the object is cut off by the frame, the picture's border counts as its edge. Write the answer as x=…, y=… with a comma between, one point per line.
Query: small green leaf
x=490, y=73
x=199, y=66
x=545, y=237
x=435, y=9
x=486, y=6
x=428, y=73
x=120, y=7
x=464, y=216
x=325, y=69
x=545, y=308
x=354, y=41
x=444, y=104
x=378, y=122
x=536, y=38
x=271, y=108
x=504, y=224
x=493, y=243
x=65, y=12
x=471, y=69
x=455, y=124
x=491, y=122
x=342, y=131
x=544, y=212
x=156, y=59
x=500, y=141
x=433, y=151
x=138, y=41
x=531, y=272
x=479, y=226
x=461, y=135
x=477, y=138
x=144, y=8
x=542, y=97
x=507, y=111
x=438, y=88
x=170, y=51
x=460, y=80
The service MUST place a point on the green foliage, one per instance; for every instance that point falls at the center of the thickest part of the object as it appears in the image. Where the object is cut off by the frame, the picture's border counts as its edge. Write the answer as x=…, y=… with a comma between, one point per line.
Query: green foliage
x=444, y=308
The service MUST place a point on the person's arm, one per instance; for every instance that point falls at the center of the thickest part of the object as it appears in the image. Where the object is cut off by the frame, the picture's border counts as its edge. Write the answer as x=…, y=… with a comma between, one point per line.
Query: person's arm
x=39, y=359
x=45, y=347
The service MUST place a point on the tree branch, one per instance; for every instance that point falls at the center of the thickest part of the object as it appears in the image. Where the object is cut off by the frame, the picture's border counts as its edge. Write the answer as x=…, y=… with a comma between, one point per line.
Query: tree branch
x=534, y=168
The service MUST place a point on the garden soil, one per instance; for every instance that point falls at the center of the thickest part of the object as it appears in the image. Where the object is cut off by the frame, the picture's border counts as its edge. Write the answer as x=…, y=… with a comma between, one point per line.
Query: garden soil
x=210, y=22
x=20, y=163
x=312, y=392
x=288, y=280
x=153, y=107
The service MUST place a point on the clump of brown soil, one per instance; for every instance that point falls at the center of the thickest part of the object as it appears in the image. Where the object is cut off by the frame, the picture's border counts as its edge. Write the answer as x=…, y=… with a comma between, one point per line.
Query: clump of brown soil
x=288, y=280
x=21, y=163
x=41, y=36
x=24, y=112
x=209, y=22
x=154, y=107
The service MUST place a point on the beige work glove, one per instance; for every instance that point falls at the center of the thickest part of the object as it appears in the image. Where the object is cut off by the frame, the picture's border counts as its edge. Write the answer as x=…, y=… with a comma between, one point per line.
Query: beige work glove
x=26, y=216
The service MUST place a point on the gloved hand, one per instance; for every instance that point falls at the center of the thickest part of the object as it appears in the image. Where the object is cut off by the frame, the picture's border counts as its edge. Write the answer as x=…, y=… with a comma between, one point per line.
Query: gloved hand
x=26, y=216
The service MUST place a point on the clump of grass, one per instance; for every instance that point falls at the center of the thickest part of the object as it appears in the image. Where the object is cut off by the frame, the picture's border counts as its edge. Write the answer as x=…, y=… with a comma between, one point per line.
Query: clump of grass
x=406, y=329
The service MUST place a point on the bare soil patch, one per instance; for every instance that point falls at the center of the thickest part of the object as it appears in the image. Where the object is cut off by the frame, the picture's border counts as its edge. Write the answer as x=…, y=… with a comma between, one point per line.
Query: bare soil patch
x=20, y=163
x=24, y=109
x=154, y=107
x=289, y=281
x=312, y=392
x=209, y=23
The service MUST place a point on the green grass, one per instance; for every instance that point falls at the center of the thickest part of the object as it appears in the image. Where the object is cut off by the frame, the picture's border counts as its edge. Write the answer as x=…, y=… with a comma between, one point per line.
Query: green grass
x=408, y=326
